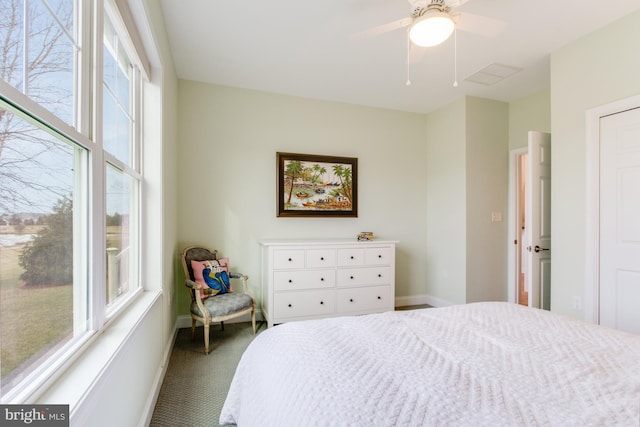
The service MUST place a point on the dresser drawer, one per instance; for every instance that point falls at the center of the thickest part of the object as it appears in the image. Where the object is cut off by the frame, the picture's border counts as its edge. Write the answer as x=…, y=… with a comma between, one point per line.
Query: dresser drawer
x=378, y=256
x=365, y=276
x=363, y=299
x=321, y=258
x=350, y=257
x=303, y=279
x=305, y=303
x=289, y=258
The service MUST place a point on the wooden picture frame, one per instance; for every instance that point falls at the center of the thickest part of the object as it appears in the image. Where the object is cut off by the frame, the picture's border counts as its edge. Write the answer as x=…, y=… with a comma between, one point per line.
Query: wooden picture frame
x=311, y=185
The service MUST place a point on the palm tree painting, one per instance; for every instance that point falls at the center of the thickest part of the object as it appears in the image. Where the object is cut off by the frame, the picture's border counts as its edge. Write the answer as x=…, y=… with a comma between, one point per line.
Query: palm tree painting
x=315, y=185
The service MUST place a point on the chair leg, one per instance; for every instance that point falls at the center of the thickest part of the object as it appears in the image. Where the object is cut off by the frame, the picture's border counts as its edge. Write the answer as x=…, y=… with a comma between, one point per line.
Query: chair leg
x=222, y=326
x=253, y=320
x=193, y=328
x=206, y=338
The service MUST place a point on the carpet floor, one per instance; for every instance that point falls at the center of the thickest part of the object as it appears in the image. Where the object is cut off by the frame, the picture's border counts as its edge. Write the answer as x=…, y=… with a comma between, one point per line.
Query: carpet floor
x=195, y=386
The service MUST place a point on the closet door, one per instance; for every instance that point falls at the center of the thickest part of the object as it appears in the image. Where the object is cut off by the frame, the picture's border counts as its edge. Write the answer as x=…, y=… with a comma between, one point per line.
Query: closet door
x=619, y=221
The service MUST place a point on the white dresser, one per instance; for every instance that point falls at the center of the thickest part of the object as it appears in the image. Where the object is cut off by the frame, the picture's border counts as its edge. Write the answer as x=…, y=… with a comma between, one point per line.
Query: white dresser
x=309, y=279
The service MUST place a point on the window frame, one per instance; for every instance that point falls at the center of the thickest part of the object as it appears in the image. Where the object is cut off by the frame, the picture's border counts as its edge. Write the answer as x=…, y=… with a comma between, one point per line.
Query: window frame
x=111, y=12
x=90, y=183
x=19, y=104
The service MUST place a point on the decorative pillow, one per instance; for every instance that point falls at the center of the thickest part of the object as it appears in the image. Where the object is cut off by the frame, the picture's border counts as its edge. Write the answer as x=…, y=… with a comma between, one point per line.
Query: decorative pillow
x=212, y=276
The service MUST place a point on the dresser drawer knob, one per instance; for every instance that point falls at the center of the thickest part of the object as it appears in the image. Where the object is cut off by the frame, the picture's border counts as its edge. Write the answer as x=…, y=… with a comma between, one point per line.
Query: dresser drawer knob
x=379, y=297
x=351, y=257
x=290, y=281
x=351, y=277
x=350, y=299
x=321, y=258
x=379, y=275
x=290, y=260
x=379, y=256
x=289, y=305
x=322, y=279
x=321, y=302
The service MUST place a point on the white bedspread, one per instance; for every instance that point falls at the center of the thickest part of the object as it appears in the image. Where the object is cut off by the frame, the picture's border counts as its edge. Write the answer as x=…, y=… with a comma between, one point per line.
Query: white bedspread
x=483, y=364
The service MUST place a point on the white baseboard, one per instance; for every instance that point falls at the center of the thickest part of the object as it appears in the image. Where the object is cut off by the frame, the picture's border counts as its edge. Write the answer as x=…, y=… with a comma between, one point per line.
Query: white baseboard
x=421, y=300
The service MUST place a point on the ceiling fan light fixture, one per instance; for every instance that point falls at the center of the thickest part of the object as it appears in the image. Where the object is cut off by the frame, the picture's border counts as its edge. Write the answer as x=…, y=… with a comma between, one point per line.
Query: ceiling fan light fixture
x=431, y=29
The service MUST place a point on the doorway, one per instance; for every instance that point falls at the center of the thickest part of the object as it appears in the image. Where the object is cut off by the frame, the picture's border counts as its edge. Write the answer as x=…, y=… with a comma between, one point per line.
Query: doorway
x=530, y=222
x=522, y=223
x=518, y=280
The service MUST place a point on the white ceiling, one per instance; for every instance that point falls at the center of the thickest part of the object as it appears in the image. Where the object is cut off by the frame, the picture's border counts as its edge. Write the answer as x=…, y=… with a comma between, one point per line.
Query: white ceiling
x=325, y=49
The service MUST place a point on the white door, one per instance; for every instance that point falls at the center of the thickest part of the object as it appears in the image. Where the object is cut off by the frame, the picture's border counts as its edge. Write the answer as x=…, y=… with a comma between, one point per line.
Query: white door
x=620, y=221
x=538, y=217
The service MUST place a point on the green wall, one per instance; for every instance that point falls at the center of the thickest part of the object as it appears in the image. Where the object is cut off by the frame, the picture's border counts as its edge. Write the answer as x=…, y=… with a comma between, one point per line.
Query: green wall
x=446, y=203
x=227, y=176
x=467, y=161
x=598, y=69
x=530, y=113
x=486, y=192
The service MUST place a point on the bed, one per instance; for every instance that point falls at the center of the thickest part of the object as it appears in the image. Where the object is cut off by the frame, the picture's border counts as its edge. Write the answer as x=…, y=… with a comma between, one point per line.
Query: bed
x=480, y=364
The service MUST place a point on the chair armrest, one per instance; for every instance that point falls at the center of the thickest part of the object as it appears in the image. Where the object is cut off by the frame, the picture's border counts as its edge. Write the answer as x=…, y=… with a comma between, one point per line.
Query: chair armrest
x=195, y=295
x=244, y=279
x=196, y=286
x=191, y=284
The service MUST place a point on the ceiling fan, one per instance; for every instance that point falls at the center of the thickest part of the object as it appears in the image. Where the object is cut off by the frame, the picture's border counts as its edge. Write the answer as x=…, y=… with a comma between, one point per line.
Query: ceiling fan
x=431, y=22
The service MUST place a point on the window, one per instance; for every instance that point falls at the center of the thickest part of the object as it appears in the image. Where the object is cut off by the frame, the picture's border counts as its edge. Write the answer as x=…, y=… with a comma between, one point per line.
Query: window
x=37, y=281
x=118, y=121
x=122, y=196
x=119, y=131
x=39, y=52
x=69, y=177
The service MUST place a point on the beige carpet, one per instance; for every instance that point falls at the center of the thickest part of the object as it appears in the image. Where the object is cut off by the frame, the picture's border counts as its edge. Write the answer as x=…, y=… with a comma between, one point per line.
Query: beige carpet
x=195, y=386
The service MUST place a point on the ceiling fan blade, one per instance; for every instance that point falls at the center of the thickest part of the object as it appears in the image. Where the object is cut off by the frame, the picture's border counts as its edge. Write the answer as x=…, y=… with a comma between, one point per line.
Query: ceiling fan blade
x=381, y=29
x=456, y=3
x=477, y=24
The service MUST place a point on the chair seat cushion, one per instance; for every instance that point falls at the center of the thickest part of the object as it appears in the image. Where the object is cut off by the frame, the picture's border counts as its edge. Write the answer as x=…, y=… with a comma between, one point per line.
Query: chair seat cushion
x=223, y=304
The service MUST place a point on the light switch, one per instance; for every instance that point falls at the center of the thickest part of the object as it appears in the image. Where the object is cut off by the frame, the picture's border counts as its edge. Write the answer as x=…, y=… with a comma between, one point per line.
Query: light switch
x=496, y=216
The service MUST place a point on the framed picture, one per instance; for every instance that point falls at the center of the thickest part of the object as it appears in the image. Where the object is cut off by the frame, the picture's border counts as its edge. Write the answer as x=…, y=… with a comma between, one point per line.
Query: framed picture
x=312, y=185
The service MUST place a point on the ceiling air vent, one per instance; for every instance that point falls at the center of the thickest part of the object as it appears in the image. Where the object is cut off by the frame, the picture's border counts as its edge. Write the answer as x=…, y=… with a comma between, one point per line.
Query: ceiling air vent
x=492, y=74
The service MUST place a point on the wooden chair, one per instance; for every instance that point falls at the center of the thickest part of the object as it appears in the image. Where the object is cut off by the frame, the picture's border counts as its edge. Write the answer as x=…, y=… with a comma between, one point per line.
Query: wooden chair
x=211, y=307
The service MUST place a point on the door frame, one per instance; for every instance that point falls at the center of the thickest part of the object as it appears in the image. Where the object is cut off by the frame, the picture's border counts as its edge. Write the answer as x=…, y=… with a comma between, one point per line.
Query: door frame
x=514, y=233
x=592, y=252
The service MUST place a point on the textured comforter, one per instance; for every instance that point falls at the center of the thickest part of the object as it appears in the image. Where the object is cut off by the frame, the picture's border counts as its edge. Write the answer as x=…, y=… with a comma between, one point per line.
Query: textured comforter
x=482, y=364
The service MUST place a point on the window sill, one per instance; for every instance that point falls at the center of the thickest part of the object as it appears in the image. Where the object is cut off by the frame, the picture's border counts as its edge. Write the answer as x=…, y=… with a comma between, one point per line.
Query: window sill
x=81, y=376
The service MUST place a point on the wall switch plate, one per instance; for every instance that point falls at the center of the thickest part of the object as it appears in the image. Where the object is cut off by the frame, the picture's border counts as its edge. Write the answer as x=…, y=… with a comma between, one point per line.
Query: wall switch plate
x=496, y=216
x=576, y=303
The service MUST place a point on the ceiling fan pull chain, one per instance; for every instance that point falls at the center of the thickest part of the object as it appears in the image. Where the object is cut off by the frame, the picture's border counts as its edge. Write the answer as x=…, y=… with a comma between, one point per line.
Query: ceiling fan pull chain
x=455, y=57
x=408, y=53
